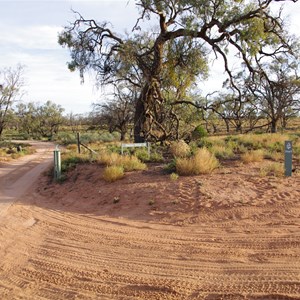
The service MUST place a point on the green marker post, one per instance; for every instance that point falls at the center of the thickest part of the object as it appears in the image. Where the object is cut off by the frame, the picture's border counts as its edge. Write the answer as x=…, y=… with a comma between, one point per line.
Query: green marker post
x=57, y=163
x=288, y=151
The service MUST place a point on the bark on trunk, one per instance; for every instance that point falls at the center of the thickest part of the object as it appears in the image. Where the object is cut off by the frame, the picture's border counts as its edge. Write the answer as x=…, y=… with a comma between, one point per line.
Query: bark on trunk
x=123, y=134
x=273, y=126
x=1, y=129
x=139, y=120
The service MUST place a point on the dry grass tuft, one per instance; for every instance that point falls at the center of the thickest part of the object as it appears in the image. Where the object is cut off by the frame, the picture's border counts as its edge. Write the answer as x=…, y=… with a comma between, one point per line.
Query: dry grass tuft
x=180, y=149
x=252, y=156
x=272, y=169
x=203, y=162
x=131, y=163
x=128, y=163
x=113, y=173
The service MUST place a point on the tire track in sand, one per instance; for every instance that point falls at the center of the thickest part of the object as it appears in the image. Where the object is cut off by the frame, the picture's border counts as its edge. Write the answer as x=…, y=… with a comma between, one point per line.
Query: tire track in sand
x=89, y=257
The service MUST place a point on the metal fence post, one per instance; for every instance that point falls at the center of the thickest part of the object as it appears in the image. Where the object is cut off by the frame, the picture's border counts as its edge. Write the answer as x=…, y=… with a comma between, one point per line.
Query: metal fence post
x=57, y=164
x=78, y=142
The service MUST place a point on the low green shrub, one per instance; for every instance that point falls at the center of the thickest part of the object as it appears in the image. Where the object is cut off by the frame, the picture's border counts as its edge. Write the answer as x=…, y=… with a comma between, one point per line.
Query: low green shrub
x=156, y=157
x=199, y=132
x=170, y=167
x=70, y=160
x=142, y=154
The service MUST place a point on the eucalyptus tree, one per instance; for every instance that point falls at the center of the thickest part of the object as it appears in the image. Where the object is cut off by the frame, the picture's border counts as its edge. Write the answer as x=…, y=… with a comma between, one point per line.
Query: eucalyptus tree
x=25, y=113
x=40, y=120
x=165, y=61
x=49, y=118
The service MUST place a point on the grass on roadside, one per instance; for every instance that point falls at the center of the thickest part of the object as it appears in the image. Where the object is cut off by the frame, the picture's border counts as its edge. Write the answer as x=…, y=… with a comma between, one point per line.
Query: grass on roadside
x=252, y=156
x=113, y=173
x=203, y=162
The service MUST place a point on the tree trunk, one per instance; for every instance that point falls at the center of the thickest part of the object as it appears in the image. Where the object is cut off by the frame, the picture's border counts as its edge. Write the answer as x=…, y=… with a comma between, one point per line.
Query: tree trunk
x=273, y=126
x=139, y=120
x=238, y=127
x=284, y=122
x=123, y=134
x=227, y=124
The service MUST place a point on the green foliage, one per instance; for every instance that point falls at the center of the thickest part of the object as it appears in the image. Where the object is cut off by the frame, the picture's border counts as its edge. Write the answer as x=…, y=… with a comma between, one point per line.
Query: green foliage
x=199, y=132
x=171, y=167
x=40, y=120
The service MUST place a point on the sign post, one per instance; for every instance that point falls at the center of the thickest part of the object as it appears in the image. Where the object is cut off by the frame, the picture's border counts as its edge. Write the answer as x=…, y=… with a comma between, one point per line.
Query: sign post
x=288, y=150
x=57, y=163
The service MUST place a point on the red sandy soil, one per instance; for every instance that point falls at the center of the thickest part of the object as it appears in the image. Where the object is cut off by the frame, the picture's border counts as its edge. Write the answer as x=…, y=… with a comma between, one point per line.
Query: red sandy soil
x=228, y=235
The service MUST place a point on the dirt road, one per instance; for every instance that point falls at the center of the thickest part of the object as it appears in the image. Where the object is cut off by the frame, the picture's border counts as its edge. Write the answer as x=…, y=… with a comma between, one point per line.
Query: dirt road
x=16, y=177
x=229, y=235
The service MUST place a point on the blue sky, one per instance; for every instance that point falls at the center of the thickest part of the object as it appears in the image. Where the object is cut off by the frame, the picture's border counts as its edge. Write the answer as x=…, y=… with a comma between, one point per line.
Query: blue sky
x=29, y=31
